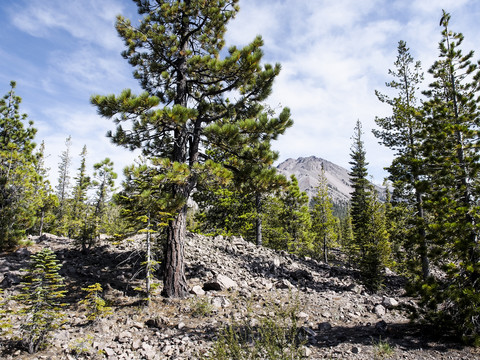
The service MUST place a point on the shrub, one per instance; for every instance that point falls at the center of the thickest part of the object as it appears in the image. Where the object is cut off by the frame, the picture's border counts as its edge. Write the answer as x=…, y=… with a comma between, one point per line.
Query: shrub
x=5, y=323
x=382, y=349
x=94, y=303
x=41, y=294
x=272, y=337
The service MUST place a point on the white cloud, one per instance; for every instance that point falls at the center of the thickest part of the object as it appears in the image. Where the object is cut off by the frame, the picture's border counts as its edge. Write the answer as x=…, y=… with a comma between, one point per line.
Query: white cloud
x=89, y=70
x=88, y=20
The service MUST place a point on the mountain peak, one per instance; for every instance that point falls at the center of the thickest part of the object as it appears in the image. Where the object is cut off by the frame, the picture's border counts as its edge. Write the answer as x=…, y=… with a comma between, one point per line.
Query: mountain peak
x=307, y=170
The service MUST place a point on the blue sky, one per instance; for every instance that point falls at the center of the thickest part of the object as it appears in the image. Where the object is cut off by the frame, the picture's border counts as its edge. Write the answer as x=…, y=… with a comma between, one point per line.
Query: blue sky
x=334, y=54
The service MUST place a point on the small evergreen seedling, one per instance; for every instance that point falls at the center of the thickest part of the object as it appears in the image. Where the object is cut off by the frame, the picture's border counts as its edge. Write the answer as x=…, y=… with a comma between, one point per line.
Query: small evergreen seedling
x=94, y=303
x=5, y=323
x=41, y=294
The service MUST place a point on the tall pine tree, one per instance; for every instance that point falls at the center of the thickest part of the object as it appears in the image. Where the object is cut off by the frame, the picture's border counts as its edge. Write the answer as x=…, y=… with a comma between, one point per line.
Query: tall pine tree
x=451, y=148
x=370, y=248
x=323, y=221
x=176, y=51
x=63, y=188
x=361, y=191
x=79, y=227
x=402, y=132
x=17, y=170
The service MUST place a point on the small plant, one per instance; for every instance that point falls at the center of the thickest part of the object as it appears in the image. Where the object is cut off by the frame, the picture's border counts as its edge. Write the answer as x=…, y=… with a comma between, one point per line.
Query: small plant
x=382, y=349
x=5, y=322
x=269, y=337
x=201, y=307
x=41, y=294
x=96, y=306
x=81, y=346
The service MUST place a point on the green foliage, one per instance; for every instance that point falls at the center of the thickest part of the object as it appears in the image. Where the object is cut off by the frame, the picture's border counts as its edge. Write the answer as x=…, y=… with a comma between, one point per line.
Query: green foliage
x=103, y=182
x=144, y=207
x=63, y=189
x=43, y=200
x=226, y=211
x=434, y=210
x=41, y=294
x=82, y=347
x=201, y=307
x=403, y=133
x=80, y=227
x=346, y=236
x=5, y=321
x=451, y=148
x=382, y=349
x=375, y=251
x=275, y=336
x=287, y=222
x=94, y=303
x=370, y=248
x=17, y=170
x=323, y=221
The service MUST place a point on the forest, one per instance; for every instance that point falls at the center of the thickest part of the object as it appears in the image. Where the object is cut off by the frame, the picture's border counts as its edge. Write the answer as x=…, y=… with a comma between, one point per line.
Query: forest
x=207, y=166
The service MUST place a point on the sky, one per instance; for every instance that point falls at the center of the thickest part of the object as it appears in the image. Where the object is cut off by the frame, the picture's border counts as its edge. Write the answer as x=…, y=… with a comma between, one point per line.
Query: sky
x=334, y=55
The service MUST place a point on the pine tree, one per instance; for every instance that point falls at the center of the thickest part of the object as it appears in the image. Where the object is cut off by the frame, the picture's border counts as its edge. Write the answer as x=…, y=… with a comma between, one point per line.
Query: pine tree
x=236, y=208
x=451, y=148
x=402, y=132
x=346, y=235
x=94, y=303
x=288, y=222
x=142, y=184
x=323, y=221
x=41, y=296
x=79, y=225
x=370, y=249
x=63, y=188
x=44, y=199
x=17, y=170
x=176, y=51
x=104, y=183
x=64, y=172
x=225, y=210
x=376, y=251
x=361, y=191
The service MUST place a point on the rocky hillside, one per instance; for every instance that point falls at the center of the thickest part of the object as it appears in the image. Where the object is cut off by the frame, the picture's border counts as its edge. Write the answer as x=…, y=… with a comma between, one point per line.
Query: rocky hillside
x=307, y=171
x=230, y=280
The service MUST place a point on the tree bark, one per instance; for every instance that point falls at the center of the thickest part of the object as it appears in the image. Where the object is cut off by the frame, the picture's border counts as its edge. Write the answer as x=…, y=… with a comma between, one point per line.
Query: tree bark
x=40, y=232
x=325, y=254
x=149, y=263
x=258, y=227
x=174, y=281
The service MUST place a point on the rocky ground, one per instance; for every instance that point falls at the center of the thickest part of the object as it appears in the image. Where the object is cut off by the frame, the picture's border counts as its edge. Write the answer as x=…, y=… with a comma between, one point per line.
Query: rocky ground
x=337, y=317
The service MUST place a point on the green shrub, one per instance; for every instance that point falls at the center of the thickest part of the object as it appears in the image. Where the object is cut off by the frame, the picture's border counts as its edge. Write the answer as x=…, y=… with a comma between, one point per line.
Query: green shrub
x=41, y=294
x=201, y=307
x=94, y=303
x=275, y=336
x=5, y=321
x=81, y=347
x=382, y=349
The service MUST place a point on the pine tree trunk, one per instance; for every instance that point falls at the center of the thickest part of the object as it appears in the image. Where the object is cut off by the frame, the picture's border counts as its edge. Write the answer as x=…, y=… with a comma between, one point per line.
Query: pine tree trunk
x=325, y=254
x=174, y=281
x=423, y=238
x=42, y=218
x=148, y=266
x=258, y=227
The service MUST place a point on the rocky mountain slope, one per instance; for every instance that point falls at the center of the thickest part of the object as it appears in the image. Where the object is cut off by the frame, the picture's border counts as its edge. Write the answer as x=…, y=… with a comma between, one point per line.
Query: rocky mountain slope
x=307, y=171
x=230, y=280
